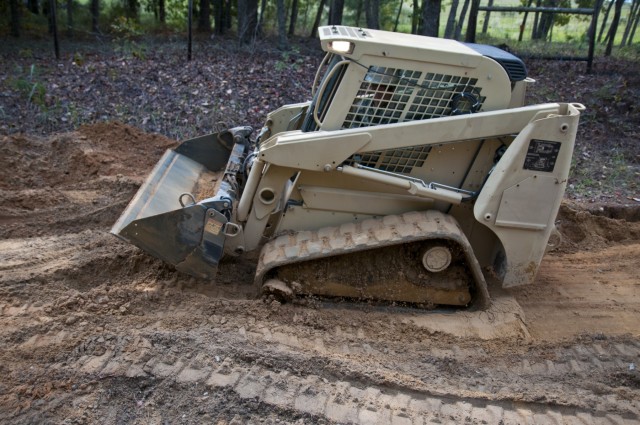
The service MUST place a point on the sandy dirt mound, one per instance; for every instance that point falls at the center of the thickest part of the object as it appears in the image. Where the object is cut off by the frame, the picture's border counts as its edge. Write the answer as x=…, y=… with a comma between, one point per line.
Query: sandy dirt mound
x=95, y=331
x=72, y=181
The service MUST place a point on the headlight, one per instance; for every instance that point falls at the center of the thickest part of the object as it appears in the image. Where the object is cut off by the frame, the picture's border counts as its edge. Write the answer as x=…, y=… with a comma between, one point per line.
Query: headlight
x=341, y=47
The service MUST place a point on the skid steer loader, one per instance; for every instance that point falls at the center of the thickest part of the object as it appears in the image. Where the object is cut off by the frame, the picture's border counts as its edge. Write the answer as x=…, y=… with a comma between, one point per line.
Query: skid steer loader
x=414, y=173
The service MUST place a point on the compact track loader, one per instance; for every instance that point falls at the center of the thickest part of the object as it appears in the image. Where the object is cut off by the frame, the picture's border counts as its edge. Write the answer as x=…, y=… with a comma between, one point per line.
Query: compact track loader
x=414, y=173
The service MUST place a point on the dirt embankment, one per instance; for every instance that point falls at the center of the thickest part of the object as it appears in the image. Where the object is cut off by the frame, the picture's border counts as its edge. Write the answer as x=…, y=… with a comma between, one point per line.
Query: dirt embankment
x=95, y=331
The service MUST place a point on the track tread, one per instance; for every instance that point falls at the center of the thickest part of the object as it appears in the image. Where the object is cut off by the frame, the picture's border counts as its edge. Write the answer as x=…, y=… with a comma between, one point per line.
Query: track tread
x=371, y=233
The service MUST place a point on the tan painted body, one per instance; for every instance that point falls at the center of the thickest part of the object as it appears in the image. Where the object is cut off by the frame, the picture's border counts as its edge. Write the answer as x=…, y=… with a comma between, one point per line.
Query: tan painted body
x=403, y=134
x=510, y=221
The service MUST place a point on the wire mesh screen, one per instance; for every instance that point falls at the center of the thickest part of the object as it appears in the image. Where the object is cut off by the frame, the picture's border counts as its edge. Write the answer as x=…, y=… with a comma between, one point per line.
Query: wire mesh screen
x=386, y=96
x=436, y=95
x=394, y=160
x=382, y=97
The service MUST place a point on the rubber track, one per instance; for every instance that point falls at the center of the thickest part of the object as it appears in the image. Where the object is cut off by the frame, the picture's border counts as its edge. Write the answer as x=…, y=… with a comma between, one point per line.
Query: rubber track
x=369, y=234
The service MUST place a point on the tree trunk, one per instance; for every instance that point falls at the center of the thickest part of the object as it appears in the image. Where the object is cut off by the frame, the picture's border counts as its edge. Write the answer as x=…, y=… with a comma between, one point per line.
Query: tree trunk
x=70, y=18
x=282, y=24
x=463, y=16
x=263, y=9
x=204, y=17
x=54, y=27
x=95, y=14
x=524, y=21
x=316, y=23
x=604, y=21
x=32, y=5
x=395, y=25
x=15, y=17
x=218, y=17
x=633, y=30
x=335, y=12
x=227, y=14
x=294, y=16
x=546, y=21
x=430, y=17
x=372, y=12
x=485, y=25
x=358, y=12
x=162, y=12
x=451, y=20
x=132, y=9
x=536, y=18
x=627, y=28
x=247, y=20
x=415, y=17
x=473, y=22
x=614, y=27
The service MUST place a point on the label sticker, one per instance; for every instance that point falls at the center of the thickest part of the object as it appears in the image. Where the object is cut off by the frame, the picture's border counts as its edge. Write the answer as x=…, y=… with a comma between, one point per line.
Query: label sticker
x=542, y=155
x=213, y=227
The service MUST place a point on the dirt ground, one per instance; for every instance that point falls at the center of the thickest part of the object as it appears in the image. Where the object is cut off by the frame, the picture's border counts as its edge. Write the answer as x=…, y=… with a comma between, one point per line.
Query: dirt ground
x=95, y=331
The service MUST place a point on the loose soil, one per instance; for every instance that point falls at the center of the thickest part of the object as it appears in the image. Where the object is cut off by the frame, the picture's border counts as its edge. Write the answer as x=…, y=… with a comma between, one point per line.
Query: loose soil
x=95, y=331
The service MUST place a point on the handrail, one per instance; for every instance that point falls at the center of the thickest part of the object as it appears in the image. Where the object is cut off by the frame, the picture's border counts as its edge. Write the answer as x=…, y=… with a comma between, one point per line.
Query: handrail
x=324, y=86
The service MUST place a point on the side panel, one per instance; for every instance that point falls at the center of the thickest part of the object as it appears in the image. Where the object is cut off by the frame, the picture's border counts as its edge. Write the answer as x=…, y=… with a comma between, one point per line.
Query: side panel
x=522, y=196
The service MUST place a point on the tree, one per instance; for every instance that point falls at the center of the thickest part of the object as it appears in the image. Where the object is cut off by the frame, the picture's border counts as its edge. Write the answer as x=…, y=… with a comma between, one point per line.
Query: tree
x=397, y=22
x=219, y=16
x=162, y=11
x=70, y=18
x=15, y=17
x=263, y=11
x=282, y=26
x=133, y=7
x=604, y=20
x=614, y=27
x=524, y=21
x=635, y=26
x=335, y=12
x=430, y=17
x=204, y=16
x=487, y=15
x=451, y=20
x=95, y=13
x=359, y=12
x=546, y=21
x=372, y=13
x=293, y=17
x=247, y=20
x=33, y=7
x=473, y=21
x=633, y=17
x=316, y=23
x=463, y=16
x=415, y=17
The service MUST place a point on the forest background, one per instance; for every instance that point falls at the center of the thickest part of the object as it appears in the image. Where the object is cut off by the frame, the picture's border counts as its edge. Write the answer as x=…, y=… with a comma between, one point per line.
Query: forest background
x=127, y=60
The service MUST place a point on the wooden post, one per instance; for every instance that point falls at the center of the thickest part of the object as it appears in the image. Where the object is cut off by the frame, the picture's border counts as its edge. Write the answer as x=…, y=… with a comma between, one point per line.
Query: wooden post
x=190, y=25
x=54, y=27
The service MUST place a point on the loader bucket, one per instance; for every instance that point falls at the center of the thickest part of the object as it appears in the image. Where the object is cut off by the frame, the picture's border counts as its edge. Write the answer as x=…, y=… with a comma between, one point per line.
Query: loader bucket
x=176, y=214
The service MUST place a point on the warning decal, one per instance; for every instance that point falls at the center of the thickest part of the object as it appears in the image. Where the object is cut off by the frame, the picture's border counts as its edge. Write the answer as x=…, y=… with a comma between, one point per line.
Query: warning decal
x=542, y=155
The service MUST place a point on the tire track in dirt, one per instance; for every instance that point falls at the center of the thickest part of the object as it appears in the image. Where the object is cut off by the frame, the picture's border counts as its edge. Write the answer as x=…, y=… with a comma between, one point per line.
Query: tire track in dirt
x=278, y=380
